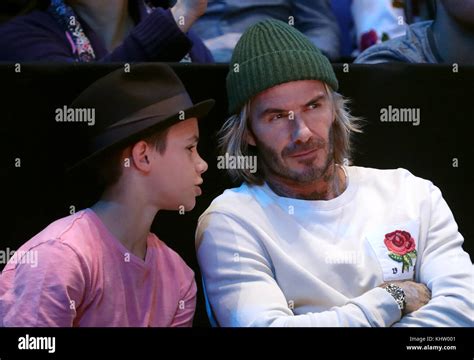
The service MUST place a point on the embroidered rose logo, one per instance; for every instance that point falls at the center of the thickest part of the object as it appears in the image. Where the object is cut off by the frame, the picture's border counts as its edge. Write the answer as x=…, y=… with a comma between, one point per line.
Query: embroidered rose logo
x=402, y=248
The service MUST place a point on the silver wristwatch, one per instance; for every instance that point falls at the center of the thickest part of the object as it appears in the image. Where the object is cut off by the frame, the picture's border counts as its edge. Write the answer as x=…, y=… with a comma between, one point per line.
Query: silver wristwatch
x=398, y=294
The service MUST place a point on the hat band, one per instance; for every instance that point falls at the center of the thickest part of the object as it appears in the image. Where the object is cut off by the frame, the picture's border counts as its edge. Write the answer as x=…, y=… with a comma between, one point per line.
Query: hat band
x=162, y=109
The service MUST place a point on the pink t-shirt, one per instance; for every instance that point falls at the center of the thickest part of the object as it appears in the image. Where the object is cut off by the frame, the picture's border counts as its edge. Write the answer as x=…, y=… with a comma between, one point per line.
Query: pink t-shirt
x=76, y=273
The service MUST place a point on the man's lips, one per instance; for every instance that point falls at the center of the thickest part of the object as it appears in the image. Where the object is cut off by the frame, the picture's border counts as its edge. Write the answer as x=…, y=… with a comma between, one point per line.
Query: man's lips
x=304, y=153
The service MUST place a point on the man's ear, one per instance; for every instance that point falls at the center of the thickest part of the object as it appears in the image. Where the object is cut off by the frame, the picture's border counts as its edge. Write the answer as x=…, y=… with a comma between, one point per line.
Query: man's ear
x=250, y=137
x=141, y=155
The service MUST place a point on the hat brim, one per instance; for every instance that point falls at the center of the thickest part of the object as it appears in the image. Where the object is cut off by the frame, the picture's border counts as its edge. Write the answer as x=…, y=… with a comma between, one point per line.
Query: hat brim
x=146, y=126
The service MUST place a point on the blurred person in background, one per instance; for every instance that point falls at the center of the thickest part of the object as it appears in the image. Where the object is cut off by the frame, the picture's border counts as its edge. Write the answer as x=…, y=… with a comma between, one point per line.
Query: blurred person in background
x=225, y=21
x=376, y=21
x=449, y=38
x=106, y=31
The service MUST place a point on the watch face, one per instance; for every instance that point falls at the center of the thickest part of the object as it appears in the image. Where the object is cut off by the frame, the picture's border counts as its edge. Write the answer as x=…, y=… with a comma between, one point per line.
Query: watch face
x=398, y=294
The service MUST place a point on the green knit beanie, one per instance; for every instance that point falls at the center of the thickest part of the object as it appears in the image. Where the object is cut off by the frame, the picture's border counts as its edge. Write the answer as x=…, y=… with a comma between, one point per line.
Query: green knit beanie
x=270, y=53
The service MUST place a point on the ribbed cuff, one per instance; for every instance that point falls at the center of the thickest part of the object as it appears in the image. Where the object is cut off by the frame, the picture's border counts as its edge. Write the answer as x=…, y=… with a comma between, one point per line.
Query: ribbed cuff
x=160, y=37
x=379, y=307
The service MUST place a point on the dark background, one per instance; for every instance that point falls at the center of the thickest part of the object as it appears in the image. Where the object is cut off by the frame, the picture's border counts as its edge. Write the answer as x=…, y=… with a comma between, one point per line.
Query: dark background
x=39, y=192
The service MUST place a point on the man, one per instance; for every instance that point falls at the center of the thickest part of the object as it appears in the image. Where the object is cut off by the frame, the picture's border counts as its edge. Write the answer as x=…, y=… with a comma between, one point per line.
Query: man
x=102, y=266
x=225, y=21
x=307, y=240
x=449, y=38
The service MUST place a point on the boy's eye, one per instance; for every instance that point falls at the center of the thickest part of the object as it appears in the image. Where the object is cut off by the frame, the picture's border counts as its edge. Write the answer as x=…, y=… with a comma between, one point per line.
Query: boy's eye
x=191, y=148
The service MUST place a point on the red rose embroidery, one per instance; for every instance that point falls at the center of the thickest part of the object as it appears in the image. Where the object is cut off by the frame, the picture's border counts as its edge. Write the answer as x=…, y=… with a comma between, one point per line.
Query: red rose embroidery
x=402, y=247
x=399, y=242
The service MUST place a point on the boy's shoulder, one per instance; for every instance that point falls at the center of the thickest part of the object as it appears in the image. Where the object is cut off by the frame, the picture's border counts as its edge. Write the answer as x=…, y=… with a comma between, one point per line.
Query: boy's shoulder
x=72, y=231
x=67, y=239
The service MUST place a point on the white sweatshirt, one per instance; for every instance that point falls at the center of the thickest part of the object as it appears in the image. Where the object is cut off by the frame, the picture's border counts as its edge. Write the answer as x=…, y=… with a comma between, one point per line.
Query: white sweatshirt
x=268, y=260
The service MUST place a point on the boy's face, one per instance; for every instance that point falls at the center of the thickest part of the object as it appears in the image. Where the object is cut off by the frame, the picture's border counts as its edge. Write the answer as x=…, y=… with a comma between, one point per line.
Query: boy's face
x=177, y=172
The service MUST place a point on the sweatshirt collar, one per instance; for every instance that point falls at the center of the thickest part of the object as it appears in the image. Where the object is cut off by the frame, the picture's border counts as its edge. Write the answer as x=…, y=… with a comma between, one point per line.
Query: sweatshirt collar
x=319, y=205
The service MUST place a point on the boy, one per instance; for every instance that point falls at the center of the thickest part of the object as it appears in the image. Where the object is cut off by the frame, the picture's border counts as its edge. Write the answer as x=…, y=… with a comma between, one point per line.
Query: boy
x=102, y=266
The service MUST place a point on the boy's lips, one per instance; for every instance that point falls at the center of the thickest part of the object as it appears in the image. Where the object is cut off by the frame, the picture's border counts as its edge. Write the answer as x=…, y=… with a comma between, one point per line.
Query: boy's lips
x=198, y=189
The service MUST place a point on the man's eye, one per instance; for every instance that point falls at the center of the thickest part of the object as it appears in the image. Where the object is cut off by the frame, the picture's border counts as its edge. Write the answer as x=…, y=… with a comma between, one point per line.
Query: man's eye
x=277, y=116
x=313, y=106
x=191, y=148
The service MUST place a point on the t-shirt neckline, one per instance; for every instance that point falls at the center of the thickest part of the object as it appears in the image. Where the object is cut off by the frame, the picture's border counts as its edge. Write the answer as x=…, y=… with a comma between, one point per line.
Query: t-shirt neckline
x=113, y=241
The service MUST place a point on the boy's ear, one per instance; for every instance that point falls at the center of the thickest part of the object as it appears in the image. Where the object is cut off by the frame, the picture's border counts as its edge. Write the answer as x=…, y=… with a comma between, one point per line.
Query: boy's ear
x=141, y=154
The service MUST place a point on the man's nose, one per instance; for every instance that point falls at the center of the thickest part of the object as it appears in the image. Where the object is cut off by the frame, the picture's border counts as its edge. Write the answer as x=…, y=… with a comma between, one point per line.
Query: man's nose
x=301, y=132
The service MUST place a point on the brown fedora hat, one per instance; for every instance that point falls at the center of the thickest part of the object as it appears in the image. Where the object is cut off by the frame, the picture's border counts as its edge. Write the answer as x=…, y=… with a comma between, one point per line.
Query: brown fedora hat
x=130, y=105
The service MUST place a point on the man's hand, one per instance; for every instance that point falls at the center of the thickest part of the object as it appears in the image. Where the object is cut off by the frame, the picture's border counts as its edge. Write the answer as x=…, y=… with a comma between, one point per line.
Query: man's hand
x=186, y=12
x=416, y=294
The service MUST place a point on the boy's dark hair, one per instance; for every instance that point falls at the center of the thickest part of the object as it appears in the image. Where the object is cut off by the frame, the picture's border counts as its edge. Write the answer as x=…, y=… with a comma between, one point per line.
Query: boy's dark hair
x=108, y=167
